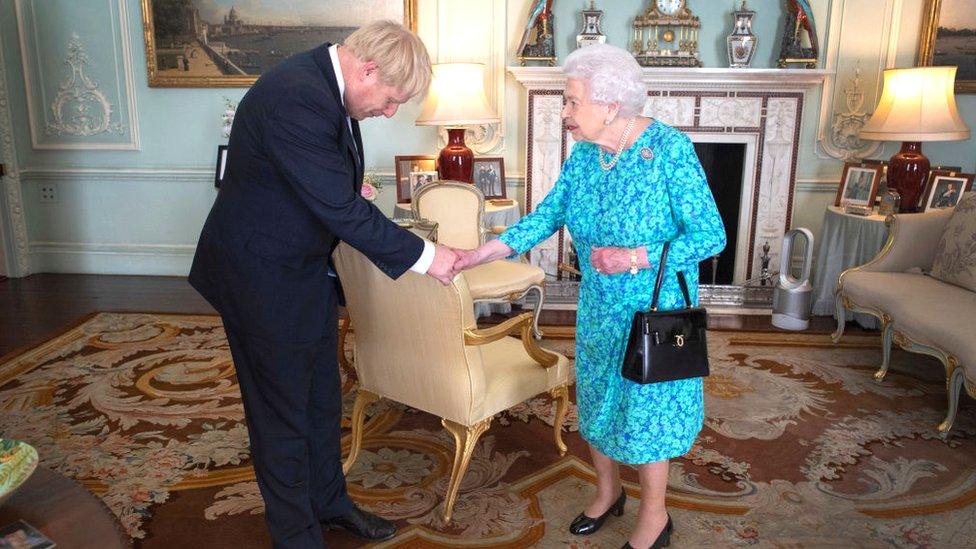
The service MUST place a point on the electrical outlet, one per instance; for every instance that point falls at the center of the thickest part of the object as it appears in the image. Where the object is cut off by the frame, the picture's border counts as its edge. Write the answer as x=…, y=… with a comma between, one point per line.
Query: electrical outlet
x=49, y=193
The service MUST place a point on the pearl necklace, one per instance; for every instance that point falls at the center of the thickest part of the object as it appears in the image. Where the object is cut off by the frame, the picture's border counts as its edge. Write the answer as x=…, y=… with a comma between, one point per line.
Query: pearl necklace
x=608, y=165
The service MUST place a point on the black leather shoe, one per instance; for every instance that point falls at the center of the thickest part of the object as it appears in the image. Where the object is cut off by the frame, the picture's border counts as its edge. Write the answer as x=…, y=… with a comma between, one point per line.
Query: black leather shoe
x=663, y=539
x=362, y=524
x=583, y=525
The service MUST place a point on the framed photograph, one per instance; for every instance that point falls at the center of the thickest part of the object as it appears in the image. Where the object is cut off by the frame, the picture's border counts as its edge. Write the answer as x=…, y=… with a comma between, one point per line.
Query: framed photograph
x=489, y=176
x=883, y=185
x=859, y=184
x=221, y=165
x=944, y=189
x=229, y=43
x=421, y=178
x=949, y=38
x=22, y=535
x=406, y=165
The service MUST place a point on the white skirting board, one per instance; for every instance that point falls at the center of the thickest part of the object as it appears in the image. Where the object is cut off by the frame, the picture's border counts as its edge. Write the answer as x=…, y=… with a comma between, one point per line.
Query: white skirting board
x=128, y=259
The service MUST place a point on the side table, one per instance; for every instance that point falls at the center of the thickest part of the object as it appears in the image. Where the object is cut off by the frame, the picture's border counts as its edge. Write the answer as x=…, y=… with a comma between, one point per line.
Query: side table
x=846, y=241
x=64, y=511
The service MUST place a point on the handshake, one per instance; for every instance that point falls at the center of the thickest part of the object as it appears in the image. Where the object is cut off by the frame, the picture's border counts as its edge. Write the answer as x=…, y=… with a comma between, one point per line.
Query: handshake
x=448, y=262
x=605, y=260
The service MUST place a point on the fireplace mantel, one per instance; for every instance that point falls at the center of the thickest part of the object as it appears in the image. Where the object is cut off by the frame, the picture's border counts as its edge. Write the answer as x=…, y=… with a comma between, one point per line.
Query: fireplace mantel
x=761, y=108
x=676, y=78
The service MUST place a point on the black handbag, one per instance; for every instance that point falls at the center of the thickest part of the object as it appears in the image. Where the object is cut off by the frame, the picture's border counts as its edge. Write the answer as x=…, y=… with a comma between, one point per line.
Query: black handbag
x=667, y=345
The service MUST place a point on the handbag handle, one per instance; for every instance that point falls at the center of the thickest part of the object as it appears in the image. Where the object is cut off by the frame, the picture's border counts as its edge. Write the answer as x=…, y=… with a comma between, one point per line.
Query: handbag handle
x=661, y=266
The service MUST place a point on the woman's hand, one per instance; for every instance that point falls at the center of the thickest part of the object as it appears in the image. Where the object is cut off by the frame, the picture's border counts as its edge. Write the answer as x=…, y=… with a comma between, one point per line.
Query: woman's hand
x=613, y=260
x=489, y=251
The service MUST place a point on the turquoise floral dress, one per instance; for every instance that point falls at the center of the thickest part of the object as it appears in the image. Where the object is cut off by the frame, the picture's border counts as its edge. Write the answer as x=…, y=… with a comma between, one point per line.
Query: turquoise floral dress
x=656, y=192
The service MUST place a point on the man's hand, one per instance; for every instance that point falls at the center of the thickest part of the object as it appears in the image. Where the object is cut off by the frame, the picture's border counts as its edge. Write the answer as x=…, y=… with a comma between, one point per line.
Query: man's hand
x=466, y=259
x=443, y=266
x=613, y=260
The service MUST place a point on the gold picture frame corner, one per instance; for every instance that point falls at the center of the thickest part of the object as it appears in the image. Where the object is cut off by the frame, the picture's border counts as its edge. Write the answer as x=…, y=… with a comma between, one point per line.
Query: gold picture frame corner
x=926, y=44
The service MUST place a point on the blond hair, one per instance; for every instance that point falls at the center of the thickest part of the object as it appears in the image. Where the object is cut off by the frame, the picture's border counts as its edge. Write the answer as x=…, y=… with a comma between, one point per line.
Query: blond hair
x=401, y=56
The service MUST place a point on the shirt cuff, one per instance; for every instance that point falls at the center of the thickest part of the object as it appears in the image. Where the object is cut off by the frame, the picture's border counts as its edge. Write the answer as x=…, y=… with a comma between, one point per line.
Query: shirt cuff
x=426, y=259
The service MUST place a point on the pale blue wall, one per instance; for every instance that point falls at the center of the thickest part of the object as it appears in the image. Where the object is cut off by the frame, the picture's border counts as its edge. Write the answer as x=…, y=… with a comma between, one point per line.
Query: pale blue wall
x=141, y=211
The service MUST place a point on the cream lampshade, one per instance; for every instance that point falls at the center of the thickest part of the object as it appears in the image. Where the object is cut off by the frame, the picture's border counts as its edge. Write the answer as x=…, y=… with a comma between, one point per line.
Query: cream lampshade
x=456, y=98
x=916, y=105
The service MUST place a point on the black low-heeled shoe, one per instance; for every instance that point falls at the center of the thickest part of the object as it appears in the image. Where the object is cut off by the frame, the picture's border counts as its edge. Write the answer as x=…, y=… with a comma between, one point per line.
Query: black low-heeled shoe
x=583, y=525
x=663, y=539
x=362, y=524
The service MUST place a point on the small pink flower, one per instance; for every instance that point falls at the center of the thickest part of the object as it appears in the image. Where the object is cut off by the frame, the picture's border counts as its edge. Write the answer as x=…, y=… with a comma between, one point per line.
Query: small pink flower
x=368, y=191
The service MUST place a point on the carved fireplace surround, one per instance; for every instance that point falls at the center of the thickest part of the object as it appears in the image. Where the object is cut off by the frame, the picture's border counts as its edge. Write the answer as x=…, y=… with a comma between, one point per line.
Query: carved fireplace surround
x=761, y=108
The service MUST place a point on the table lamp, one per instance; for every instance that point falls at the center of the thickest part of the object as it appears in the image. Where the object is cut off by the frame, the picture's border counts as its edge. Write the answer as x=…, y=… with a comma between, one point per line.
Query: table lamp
x=456, y=98
x=916, y=105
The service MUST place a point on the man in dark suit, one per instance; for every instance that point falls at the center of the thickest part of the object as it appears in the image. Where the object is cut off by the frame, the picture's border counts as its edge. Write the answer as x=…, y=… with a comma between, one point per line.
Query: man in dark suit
x=290, y=193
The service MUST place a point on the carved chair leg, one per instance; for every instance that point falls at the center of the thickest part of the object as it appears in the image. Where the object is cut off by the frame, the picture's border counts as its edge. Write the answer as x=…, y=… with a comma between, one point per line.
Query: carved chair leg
x=954, y=381
x=887, y=330
x=465, y=439
x=840, y=314
x=363, y=399
x=561, y=395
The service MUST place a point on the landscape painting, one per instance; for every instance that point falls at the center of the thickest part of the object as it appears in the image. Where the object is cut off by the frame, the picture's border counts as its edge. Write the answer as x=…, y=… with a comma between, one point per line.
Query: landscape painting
x=949, y=39
x=229, y=43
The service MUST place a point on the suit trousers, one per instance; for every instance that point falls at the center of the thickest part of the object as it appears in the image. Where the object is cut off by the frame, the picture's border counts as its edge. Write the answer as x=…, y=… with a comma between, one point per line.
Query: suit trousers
x=293, y=406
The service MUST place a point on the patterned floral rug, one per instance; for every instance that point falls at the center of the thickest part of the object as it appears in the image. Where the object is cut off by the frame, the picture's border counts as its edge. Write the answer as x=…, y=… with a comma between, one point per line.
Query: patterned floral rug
x=801, y=448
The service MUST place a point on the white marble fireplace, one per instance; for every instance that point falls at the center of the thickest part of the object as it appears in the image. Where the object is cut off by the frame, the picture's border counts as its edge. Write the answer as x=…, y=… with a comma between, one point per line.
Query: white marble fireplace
x=761, y=108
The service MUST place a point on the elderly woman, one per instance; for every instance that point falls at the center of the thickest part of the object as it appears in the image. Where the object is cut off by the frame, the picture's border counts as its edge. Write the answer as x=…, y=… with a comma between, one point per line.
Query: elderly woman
x=631, y=184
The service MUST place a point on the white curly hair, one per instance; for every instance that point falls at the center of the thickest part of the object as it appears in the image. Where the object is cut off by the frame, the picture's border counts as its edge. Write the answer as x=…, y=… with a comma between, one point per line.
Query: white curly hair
x=613, y=76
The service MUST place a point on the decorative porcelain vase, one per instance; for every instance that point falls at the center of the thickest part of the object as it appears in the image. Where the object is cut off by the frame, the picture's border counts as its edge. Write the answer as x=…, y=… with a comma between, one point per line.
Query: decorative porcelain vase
x=741, y=43
x=591, y=33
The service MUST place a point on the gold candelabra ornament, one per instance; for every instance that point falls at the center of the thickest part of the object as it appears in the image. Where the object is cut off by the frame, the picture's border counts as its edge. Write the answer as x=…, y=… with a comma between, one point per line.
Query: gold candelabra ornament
x=666, y=35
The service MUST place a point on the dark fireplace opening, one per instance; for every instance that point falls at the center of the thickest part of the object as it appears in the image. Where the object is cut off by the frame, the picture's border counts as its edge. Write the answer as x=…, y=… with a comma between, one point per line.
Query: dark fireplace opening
x=723, y=164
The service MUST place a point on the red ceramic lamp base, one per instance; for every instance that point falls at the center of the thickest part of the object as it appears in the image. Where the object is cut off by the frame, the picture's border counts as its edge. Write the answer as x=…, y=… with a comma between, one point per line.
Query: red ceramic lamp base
x=456, y=161
x=907, y=172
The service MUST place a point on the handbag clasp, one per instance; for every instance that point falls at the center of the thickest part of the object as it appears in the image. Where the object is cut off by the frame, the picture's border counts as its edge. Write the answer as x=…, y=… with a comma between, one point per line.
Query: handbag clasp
x=679, y=340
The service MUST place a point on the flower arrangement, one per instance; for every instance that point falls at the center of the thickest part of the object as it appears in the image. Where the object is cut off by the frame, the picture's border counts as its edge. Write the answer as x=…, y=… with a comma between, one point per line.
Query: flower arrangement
x=371, y=186
x=227, y=118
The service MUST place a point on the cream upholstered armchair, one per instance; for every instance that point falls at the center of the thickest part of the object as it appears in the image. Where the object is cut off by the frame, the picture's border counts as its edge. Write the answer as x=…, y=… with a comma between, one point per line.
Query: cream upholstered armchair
x=416, y=343
x=458, y=208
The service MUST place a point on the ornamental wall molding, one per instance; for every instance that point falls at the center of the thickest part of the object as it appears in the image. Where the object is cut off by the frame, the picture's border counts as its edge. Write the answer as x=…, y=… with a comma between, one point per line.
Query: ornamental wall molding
x=482, y=139
x=81, y=114
x=854, y=86
x=844, y=132
x=80, y=108
x=12, y=220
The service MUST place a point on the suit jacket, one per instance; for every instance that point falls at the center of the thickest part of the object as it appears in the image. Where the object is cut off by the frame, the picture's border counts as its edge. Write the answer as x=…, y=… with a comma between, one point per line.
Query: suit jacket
x=290, y=193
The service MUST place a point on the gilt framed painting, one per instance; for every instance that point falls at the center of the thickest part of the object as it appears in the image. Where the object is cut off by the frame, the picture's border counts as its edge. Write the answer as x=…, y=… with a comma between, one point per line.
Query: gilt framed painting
x=230, y=43
x=949, y=39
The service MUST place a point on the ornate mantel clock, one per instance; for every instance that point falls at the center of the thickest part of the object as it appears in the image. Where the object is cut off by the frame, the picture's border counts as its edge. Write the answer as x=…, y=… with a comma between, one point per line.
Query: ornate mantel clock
x=666, y=35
